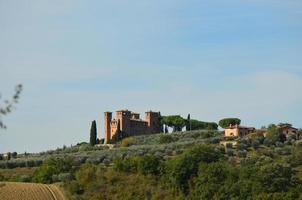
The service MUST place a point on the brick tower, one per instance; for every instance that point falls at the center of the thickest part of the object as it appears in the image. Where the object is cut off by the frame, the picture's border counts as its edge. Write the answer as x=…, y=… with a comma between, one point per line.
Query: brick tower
x=124, y=116
x=152, y=119
x=107, y=126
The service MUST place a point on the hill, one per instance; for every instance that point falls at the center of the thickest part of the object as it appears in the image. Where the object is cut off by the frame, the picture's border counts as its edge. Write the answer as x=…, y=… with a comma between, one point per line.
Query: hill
x=182, y=165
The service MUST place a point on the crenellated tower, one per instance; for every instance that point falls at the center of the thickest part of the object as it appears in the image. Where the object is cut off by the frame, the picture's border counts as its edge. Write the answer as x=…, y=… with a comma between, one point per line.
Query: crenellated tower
x=152, y=119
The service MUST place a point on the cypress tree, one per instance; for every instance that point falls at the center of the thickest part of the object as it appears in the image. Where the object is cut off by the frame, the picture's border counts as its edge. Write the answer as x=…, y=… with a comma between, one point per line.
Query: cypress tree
x=93, y=133
x=188, y=127
x=166, y=129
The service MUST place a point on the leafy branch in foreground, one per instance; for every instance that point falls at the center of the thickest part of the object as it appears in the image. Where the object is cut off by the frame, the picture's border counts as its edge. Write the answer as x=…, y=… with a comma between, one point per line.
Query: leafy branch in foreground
x=8, y=105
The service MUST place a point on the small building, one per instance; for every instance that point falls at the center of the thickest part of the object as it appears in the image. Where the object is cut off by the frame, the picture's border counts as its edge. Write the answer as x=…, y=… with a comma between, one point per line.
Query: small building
x=287, y=129
x=238, y=131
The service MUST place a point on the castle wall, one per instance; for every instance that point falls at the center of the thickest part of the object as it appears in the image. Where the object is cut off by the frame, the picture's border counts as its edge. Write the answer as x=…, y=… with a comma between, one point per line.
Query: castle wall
x=138, y=127
x=130, y=123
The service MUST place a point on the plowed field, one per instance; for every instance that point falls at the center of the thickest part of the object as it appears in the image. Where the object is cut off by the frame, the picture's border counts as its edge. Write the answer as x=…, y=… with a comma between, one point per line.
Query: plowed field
x=29, y=191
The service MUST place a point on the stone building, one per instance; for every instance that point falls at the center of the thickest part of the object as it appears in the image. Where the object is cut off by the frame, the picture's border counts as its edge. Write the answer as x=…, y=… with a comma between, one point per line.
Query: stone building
x=287, y=129
x=237, y=130
x=130, y=123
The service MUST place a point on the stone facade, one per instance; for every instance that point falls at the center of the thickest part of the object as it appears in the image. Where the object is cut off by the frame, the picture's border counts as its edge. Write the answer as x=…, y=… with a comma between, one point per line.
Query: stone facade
x=130, y=123
x=239, y=131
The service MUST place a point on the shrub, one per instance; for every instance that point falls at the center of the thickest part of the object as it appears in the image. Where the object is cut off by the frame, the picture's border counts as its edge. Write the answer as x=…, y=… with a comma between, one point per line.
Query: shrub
x=148, y=165
x=126, y=142
x=276, y=177
x=164, y=139
x=24, y=178
x=215, y=181
x=255, y=144
x=74, y=187
x=52, y=166
x=86, y=174
x=268, y=141
x=241, y=146
x=229, y=152
x=178, y=171
x=242, y=154
x=64, y=177
x=229, y=145
x=126, y=164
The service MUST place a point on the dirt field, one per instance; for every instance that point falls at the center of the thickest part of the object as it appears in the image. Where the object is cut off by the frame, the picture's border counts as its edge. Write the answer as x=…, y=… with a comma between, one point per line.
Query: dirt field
x=29, y=191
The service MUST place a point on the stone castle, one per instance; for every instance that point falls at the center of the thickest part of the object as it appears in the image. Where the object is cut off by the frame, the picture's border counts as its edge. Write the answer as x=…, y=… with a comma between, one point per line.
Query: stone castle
x=130, y=123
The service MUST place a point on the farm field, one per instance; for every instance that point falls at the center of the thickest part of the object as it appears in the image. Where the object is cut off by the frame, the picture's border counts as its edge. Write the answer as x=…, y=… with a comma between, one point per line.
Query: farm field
x=29, y=191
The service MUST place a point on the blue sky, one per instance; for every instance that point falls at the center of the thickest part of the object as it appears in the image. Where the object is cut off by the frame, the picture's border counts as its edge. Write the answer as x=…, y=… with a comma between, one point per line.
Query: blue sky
x=213, y=59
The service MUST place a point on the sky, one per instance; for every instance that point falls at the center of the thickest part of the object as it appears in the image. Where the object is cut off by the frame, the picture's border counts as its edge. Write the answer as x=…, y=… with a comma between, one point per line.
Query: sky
x=210, y=58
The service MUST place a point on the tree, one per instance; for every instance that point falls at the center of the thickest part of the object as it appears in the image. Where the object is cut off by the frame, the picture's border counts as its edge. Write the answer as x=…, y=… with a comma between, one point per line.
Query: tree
x=9, y=104
x=180, y=170
x=200, y=125
x=174, y=121
x=52, y=166
x=274, y=134
x=93, y=133
x=166, y=129
x=215, y=181
x=229, y=121
x=188, y=126
x=148, y=165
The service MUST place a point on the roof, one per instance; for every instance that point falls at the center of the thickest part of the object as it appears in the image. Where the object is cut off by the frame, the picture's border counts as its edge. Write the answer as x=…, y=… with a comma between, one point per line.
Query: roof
x=239, y=127
x=123, y=110
x=289, y=127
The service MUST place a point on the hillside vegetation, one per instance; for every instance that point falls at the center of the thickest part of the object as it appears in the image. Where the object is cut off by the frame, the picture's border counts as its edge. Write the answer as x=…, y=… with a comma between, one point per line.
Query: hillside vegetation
x=182, y=165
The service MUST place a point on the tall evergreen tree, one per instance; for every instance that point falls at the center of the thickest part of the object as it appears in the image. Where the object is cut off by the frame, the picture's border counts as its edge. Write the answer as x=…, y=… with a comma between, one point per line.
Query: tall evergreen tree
x=188, y=126
x=93, y=133
x=166, y=129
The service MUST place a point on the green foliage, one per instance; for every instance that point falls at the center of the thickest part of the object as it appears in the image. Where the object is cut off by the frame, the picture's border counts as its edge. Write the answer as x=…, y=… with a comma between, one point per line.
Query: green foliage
x=274, y=134
x=86, y=174
x=165, y=138
x=126, y=142
x=93, y=133
x=148, y=165
x=229, y=121
x=200, y=125
x=275, y=177
x=128, y=164
x=178, y=171
x=296, y=157
x=174, y=121
x=52, y=166
x=215, y=181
